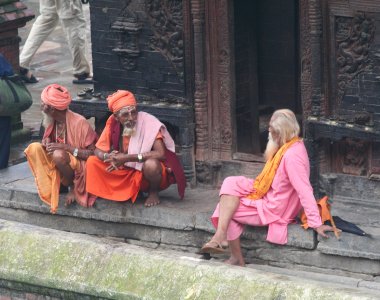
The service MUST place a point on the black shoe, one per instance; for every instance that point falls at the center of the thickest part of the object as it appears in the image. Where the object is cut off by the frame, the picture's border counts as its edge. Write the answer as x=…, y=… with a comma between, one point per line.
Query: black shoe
x=82, y=78
x=24, y=76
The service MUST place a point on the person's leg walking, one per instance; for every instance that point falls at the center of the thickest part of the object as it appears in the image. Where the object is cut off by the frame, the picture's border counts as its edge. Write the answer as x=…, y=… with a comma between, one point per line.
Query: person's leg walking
x=74, y=25
x=42, y=27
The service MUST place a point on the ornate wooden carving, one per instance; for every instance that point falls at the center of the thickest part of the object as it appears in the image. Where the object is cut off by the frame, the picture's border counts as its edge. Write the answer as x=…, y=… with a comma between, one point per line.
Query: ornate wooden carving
x=305, y=51
x=354, y=155
x=166, y=20
x=127, y=28
x=200, y=94
x=353, y=39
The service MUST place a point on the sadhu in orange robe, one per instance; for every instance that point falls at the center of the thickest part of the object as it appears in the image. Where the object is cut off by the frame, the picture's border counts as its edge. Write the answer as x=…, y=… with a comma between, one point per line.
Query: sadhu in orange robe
x=80, y=135
x=125, y=183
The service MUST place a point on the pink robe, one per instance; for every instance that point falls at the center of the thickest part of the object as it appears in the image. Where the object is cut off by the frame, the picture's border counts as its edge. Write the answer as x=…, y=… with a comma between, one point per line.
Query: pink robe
x=289, y=192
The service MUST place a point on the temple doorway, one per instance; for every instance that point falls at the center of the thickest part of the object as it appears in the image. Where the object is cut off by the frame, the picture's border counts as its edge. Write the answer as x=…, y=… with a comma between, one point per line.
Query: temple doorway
x=266, y=69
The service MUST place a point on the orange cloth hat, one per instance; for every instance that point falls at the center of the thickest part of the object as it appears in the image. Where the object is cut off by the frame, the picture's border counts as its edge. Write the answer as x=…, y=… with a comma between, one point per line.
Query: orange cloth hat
x=56, y=96
x=120, y=99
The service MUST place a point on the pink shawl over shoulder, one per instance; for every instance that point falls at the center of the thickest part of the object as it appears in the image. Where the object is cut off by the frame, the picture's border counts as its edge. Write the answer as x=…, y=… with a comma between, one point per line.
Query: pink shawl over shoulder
x=147, y=128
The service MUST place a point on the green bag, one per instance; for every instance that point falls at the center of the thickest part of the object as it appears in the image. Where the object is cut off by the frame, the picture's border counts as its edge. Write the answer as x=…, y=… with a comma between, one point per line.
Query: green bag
x=14, y=96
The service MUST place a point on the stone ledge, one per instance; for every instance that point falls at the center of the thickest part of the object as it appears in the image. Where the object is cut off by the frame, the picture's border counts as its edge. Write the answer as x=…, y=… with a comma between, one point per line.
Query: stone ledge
x=193, y=213
x=95, y=267
x=352, y=246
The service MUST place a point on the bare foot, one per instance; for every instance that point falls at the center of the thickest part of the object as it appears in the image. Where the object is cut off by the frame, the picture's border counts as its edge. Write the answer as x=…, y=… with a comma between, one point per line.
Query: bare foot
x=70, y=198
x=152, y=200
x=234, y=261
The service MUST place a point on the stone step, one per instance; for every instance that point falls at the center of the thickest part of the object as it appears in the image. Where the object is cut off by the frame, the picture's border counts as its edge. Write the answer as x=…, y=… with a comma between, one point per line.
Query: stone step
x=185, y=225
x=352, y=189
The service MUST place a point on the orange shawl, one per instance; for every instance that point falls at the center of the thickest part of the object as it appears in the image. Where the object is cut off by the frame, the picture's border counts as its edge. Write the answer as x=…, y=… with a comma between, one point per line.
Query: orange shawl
x=264, y=180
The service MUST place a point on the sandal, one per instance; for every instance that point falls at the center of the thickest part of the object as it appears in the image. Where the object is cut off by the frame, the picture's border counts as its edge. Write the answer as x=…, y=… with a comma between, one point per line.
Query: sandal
x=213, y=247
x=86, y=93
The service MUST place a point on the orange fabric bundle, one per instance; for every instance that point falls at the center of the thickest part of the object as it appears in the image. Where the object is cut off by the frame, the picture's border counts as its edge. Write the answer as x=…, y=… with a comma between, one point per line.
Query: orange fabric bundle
x=264, y=180
x=324, y=211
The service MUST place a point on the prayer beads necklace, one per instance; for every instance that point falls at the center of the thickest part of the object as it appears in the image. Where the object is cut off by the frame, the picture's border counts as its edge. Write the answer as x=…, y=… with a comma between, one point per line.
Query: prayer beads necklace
x=61, y=137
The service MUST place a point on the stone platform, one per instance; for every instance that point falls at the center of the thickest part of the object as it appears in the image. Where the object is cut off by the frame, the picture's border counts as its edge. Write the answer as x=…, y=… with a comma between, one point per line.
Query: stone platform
x=40, y=263
x=185, y=226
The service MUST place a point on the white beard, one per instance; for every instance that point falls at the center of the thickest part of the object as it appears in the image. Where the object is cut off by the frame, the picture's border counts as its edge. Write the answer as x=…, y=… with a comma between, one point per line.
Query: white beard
x=271, y=149
x=128, y=131
x=47, y=120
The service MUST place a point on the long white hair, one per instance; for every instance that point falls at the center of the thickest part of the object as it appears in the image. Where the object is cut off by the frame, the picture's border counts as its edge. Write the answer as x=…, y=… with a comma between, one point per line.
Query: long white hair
x=284, y=126
x=284, y=123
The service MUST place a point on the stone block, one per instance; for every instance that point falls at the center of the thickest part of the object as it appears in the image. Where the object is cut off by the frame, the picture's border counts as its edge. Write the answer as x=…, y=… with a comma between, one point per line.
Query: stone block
x=82, y=265
x=351, y=245
x=184, y=238
x=294, y=256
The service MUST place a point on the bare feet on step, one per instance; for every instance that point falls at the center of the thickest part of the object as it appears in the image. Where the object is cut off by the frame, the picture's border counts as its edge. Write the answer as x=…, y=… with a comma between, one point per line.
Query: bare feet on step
x=70, y=198
x=234, y=261
x=152, y=200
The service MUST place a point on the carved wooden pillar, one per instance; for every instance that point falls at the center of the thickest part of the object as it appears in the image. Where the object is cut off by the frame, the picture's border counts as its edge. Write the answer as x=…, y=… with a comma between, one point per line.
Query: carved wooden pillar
x=315, y=21
x=224, y=102
x=200, y=94
x=305, y=51
x=311, y=77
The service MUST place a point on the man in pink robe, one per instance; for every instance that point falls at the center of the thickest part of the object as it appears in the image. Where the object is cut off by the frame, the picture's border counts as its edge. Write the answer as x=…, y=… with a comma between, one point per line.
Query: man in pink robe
x=289, y=191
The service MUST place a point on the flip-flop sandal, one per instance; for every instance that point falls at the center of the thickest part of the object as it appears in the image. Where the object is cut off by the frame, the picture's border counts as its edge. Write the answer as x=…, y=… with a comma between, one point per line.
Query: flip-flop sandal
x=86, y=93
x=213, y=247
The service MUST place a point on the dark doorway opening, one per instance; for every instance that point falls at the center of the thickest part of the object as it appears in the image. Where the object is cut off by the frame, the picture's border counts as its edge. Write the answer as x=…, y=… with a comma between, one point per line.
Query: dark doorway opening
x=266, y=69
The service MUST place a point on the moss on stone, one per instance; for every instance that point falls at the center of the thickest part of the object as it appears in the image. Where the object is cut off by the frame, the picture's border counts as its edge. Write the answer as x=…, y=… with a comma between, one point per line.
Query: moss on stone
x=86, y=265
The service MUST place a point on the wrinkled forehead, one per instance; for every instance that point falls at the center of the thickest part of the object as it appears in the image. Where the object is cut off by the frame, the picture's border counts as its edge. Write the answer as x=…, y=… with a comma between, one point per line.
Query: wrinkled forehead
x=130, y=109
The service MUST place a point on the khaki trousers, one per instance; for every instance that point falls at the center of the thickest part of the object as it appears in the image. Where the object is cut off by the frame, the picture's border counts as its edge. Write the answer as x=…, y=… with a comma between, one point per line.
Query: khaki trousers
x=70, y=13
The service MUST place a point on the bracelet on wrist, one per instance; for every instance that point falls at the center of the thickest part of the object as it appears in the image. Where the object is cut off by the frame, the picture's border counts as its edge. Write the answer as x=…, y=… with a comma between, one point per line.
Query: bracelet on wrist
x=105, y=156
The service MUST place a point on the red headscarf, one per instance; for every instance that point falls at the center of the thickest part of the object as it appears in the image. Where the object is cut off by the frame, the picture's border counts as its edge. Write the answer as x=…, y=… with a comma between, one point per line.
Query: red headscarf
x=120, y=99
x=56, y=96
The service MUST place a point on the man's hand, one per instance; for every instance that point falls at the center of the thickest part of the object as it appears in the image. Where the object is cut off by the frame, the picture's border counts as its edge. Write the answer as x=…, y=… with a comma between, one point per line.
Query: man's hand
x=115, y=159
x=51, y=147
x=321, y=230
x=45, y=141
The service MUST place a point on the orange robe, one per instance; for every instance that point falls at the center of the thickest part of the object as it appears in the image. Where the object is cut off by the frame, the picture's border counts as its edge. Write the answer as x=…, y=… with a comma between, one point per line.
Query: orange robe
x=122, y=184
x=79, y=135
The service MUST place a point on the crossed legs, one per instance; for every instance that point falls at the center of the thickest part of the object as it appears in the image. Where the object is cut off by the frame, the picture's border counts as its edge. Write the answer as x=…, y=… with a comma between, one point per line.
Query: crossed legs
x=227, y=207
